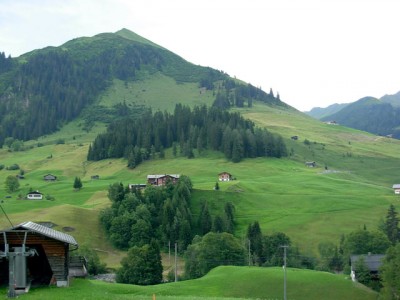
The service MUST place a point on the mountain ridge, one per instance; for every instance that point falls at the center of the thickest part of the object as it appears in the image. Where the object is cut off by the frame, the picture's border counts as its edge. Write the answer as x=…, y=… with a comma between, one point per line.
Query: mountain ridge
x=377, y=116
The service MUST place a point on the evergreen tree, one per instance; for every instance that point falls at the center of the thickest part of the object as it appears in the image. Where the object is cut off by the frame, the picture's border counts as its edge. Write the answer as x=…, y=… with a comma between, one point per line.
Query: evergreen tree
x=391, y=273
x=77, y=183
x=229, y=210
x=391, y=225
x=205, y=221
x=254, y=237
x=218, y=224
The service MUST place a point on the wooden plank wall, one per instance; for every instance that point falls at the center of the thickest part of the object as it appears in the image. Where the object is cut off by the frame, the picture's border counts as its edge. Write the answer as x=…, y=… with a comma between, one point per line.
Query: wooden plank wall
x=56, y=251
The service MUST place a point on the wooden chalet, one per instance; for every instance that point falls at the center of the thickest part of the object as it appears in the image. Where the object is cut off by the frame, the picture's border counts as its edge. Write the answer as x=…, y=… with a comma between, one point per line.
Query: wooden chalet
x=224, y=176
x=36, y=195
x=160, y=180
x=49, y=177
x=396, y=189
x=50, y=249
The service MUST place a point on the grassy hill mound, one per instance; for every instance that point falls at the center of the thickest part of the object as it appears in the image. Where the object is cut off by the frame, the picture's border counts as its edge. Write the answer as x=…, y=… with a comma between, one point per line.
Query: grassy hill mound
x=221, y=283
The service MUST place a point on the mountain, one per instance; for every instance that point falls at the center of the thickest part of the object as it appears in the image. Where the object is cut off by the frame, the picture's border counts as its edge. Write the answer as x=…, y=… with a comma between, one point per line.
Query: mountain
x=369, y=114
x=394, y=100
x=44, y=89
x=319, y=112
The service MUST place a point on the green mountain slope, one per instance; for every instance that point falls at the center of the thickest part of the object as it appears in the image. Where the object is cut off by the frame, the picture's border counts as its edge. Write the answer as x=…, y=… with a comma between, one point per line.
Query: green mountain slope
x=44, y=89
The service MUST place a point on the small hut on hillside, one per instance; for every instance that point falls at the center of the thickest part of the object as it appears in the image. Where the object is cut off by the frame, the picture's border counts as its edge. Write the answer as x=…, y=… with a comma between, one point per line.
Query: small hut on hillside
x=46, y=255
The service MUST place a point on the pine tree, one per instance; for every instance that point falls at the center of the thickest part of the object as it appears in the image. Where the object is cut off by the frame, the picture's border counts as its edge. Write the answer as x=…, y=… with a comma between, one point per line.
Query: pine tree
x=205, y=221
x=391, y=226
x=77, y=183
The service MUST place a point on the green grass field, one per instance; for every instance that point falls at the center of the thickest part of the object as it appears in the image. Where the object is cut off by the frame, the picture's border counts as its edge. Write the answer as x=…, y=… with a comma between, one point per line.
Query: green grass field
x=311, y=205
x=225, y=283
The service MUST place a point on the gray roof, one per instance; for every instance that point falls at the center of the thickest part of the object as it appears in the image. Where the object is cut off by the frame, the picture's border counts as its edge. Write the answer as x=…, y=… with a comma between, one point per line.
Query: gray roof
x=162, y=175
x=46, y=231
x=396, y=186
x=372, y=261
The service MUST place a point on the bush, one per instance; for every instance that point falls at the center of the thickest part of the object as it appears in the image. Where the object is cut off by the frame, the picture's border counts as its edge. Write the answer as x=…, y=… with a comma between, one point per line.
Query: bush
x=13, y=167
x=94, y=265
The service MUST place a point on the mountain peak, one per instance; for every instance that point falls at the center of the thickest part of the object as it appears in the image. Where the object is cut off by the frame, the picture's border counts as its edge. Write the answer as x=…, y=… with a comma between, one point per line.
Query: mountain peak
x=130, y=35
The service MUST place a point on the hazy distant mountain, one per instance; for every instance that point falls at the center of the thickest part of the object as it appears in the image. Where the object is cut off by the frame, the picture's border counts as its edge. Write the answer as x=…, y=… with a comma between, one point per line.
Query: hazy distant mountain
x=392, y=99
x=319, y=112
x=369, y=114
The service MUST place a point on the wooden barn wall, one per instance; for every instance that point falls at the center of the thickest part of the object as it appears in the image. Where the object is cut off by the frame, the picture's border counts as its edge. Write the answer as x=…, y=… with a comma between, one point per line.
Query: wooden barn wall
x=57, y=252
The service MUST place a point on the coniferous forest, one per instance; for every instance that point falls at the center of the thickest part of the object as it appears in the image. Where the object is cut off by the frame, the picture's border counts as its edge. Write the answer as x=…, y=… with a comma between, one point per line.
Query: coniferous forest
x=201, y=128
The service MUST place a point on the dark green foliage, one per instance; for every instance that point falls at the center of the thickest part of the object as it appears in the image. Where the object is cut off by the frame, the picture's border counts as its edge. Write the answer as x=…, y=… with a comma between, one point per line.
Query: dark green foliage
x=233, y=94
x=391, y=225
x=255, y=240
x=331, y=258
x=13, y=167
x=364, y=241
x=273, y=250
x=161, y=213
x=141, y=138
x=142, y=265
x=229, y=212
x=214, y=249
x=77, y=183
x=362, y=272
x=205, y=219
x=391, y=274
x=11, y=184
x=218, y=224
x=94, y=265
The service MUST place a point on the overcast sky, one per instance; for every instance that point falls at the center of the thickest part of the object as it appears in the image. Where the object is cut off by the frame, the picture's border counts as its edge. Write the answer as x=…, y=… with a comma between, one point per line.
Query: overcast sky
x=313, y=52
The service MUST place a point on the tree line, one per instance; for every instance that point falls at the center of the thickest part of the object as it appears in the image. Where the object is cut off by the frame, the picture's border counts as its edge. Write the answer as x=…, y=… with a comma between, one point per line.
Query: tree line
x=202, y=128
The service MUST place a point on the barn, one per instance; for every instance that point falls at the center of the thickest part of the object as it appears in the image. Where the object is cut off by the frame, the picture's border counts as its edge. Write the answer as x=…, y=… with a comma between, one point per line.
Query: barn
x=47, y=253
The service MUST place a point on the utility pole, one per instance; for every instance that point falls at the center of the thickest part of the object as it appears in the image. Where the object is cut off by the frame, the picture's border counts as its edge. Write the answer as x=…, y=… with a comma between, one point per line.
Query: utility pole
x=249, y=254
x=176, y=270
x=284, y=271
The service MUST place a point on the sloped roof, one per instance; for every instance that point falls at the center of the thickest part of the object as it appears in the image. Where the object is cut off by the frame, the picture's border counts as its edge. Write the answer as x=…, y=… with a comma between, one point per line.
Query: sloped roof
x=162, y=175
x=46, y=231
x=396, y=186
x=372, y=261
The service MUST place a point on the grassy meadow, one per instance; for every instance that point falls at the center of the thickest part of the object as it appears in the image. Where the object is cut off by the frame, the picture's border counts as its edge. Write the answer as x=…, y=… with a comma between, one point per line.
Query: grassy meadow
x=225, y=283
x=350, y=188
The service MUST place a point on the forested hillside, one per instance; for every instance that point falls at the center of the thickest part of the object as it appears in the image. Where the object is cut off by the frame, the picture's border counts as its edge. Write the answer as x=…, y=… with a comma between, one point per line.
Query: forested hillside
x=215, y=129
x=369, y=114
x=43, y=90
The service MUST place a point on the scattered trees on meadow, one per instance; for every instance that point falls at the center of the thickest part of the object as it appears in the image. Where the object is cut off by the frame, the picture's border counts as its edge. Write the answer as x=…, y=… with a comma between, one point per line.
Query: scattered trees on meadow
x=11, y=184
